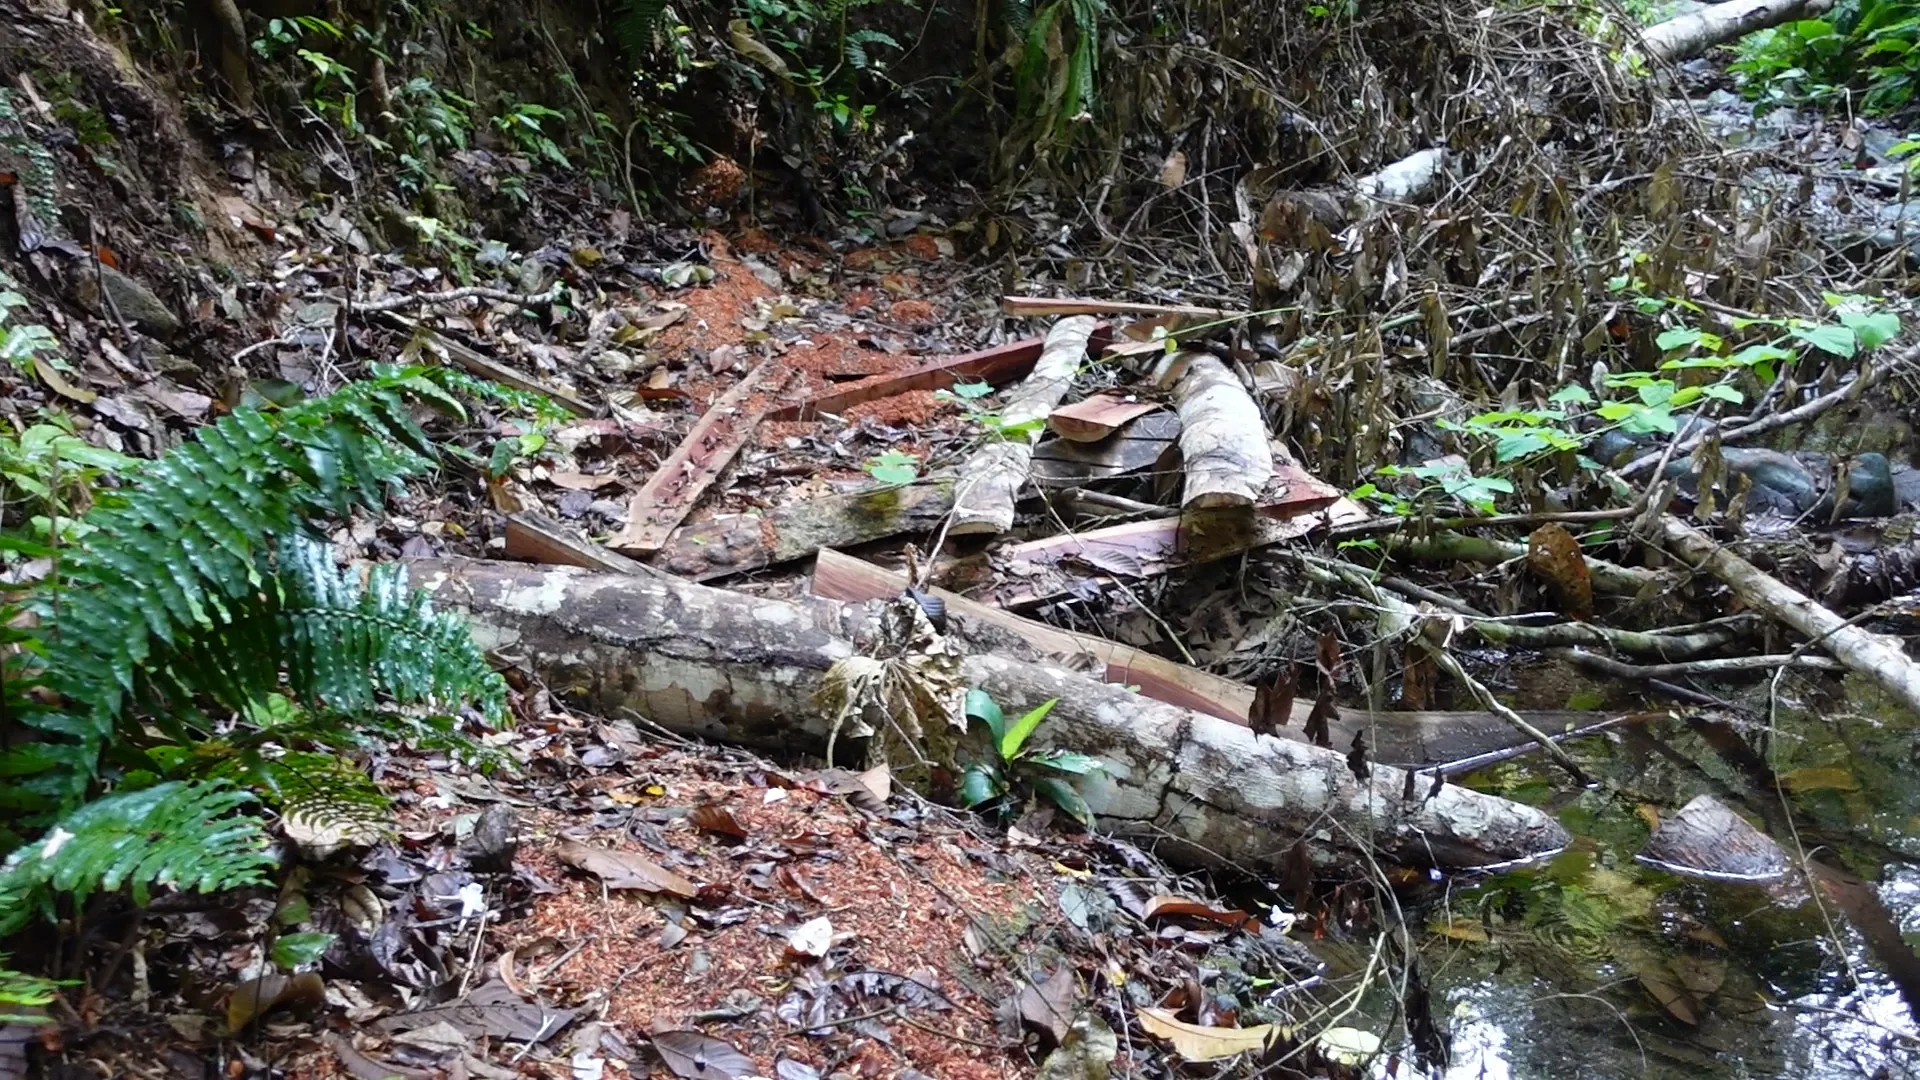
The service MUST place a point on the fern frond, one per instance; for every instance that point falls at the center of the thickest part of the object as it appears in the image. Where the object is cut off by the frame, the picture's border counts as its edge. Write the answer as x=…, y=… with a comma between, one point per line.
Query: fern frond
x=635, y=24
x=181, y=835
x=310, y=785
x=182, y=553
x=18, y=990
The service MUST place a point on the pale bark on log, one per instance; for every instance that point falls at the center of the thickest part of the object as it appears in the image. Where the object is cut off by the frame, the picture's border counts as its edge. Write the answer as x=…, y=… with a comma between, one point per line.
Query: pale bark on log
x=991, y=479
x=1223, y=438
x=1878, y=658
x=1690, y=35
x=1404, y=180
x=741, y=669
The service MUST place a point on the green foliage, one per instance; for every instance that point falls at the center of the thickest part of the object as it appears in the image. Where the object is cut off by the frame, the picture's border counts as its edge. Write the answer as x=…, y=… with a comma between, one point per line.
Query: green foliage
x=522, y=123
x=1869, y=47
x=19, y=344
x=1700, y=367
x=968, y=396
x=19, y=991
x=1016, y=767
x=894, y=467
x=179, y=835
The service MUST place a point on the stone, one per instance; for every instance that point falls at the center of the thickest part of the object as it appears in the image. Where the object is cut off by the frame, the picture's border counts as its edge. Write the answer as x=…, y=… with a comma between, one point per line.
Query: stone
x=133, y=301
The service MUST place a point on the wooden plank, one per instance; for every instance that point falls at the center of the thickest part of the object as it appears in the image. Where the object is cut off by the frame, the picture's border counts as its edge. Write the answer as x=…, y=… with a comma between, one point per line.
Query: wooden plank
x=1140, y=445
x=1430, y=737
x=1153, y=547
x=536, y=538
x=1094, y=418
x=1021, y=307
x=664, y=501
x=998, y=365
x=736, y=543
x=479, y=363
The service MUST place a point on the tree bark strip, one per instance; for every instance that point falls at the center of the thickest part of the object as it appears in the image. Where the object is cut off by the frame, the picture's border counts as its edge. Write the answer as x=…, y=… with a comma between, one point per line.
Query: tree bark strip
x=1690, y=35
x=991, y=479
x=1223, y=438
x=741, y=669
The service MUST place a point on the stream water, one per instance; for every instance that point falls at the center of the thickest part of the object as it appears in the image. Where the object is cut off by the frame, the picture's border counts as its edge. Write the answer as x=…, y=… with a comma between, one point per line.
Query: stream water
x=1595, y=965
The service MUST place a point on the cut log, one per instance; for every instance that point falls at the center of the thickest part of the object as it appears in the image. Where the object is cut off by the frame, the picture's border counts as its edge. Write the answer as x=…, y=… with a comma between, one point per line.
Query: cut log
x=1422, y=738
x=1139, y=445
x=1404, y=180
x=1041, y=306
x=1708, y=840
x=998, y=365
x=1878, y=658
x=1223, y=438
x=993, y=475
x=1152, y=548
x=736, y=543
x=1690, y=35
x=1094, y=418
x=534, y=538
x=664, y=501
x=717, y=665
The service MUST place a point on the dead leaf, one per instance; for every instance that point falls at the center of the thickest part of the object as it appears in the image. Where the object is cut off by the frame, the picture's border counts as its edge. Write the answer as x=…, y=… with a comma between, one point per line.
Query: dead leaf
x=1174, y=172
x=255, y=997
x=490, y=1009
x=811, y=939
x=1048, y=1006
x=362, y=1067
x=1327, y=656
x=1171, y=906
x=1554, y=555
x=701, y=1057
x=1324, y=713
x=1195, y=1043
x=58, y=383
x=625, y=869
x=1273, y=702
x=574, y=481
x=716, y=818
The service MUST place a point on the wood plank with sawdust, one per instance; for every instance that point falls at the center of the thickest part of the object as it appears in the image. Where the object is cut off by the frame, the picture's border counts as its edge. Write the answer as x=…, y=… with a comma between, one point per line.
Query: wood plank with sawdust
x=997, y=365
x=664, y=501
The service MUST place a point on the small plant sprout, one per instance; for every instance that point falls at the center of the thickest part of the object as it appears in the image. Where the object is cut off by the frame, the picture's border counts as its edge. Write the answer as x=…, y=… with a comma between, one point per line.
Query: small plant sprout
x=1015, y=769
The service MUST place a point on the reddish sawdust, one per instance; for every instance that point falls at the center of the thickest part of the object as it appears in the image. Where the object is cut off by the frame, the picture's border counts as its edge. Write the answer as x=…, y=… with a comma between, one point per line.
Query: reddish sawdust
x=824, y=360
x=904, y=908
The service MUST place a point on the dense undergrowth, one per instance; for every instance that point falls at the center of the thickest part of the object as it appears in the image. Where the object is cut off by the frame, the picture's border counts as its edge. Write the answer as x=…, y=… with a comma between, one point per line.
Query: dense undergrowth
x=1863, y=53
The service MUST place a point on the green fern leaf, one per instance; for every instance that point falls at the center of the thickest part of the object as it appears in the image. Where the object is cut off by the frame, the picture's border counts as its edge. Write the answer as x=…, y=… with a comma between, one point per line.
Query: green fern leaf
x=180, y=835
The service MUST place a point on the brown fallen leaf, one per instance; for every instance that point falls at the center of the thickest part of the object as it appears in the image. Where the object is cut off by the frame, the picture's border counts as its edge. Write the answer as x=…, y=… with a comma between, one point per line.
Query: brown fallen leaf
x=625, y=869
x=1273, y=702
x=1173, y=172
x=716, y=818
x=256, y=997
x=1048, y=1006
x=362, y=1067
x=1323, y=714
x=1171, y=906
x=1554, y=555
x=1195, y=1043
x=1327, y=656
x=574, y=481
x=696, y=1056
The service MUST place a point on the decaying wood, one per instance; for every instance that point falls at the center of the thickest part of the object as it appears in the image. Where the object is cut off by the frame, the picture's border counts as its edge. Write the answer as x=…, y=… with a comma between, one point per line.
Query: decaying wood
x=479, y=363
x=1404, y=180
x=1041, y=306
x=1416, y=738
x=1151, y=548
x=1094, y=418
x=1223, y=438
x=990, y=481
x=534, y=538
x=998, y=365
x=671, y=492
x=718, y=665
x=1706, y=839
x=1138, y=445
x=1878, y=658
x=735, y=543
x=1690, y=35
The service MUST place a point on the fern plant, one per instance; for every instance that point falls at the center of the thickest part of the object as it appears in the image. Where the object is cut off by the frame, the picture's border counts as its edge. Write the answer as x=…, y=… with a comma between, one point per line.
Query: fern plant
x=169, y=600
x=181, y=835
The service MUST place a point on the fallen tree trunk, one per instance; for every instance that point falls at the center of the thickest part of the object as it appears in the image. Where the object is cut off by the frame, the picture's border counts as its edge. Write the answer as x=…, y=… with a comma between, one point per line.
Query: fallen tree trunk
x=990, y=482
x=1878, y=658
x=1690, y=35
x=1223, y=438
x=742, y=669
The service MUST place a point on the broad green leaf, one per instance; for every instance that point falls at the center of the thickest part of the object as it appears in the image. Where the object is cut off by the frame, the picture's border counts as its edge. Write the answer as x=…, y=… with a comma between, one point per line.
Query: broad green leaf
x=1838, y=340
x=1724, y=392
x=1069, y=761
x=1871, y=329
x=1572, y=394
x=1023, y=728
x=295, y=950
x=1678, y=337
x=980, y=705
x=1061, y=794
x=978, y=786
x=897, y=475
x=1657, y=393
x=971, y=391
